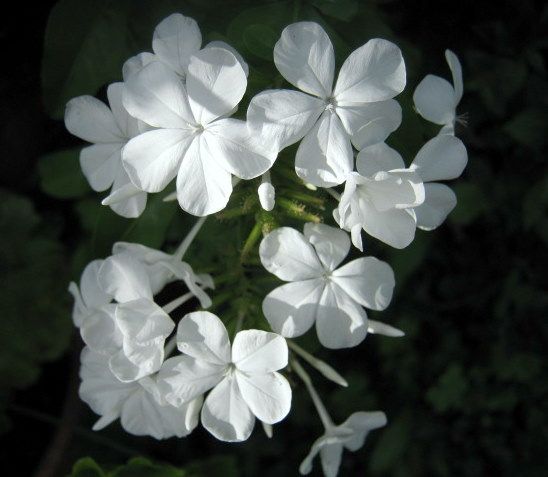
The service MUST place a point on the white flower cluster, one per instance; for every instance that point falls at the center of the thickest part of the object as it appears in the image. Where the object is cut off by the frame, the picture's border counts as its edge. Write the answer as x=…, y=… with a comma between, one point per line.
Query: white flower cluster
x=170, y=119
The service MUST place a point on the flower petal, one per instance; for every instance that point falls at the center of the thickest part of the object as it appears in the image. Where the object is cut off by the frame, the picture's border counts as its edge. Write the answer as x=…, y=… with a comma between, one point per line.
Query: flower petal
x=175, y=39
x=398, y=189
x=125, y=199
x=376, y=158
x=267, y=395
x=439, y=201
x=216, y=82
x=362, y=422
x=325, y=157
x=256, y=351
x=374, y=72
x=124, y=278
x=184, y=378
x=434, y=100
x=456, y=72
x=368, y=281
x=93, y=294
x=440, y=159
x=287, y=254
x=282, y=117
x=143, y=415
x=323, y=441
x=91, y=120
x=203, y=187
x=331, y=244
x=370, y=123
x=395, y=227
x=237, y=150
x=341, y=322
x=226, y=46
x=152, y=159
x=331, y=456
x=128, y=125
x=291, y=308
x=99, y=387
x=225, y=413
x=137, y=63
x=99, y=164
x=99, y=331
x=304, y=56
x=157, y=96
x=203, y=336
x=142, y=321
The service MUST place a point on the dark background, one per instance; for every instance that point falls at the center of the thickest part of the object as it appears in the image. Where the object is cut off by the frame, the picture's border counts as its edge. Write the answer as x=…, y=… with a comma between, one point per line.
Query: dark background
x=465, y=391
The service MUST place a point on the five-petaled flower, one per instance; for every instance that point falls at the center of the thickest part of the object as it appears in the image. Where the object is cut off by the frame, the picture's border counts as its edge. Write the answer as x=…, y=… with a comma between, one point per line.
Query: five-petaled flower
x=319, y=291
x=194, y=140
x=359, y=108
x=244, y=379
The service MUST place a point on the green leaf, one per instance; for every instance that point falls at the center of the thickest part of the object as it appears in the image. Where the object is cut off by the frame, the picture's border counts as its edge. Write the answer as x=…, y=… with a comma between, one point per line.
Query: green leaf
x=60, y=175
x=87, y=467
x=344, y=10
x=260, y=40
x=140, y=467
x=86, y=44
x=35, y=325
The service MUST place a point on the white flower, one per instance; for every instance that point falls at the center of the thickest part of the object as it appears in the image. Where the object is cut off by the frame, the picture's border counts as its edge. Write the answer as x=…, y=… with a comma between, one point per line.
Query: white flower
x=440, y=159
x=380, y=197
x=359, y=108
x=163, y=268
x=350, y=434
x=90, y=297
x=109, y=130
x=436, y=100
x=176, y=38
x=243, y=379
x=319, y=291
x=138, y=404
x=133, y=331
x=193, y=142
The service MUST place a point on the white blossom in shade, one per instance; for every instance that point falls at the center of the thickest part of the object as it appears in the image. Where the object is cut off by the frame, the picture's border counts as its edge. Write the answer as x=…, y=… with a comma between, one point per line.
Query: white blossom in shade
x=131, y=333
x=163, y=268
x=139, y=404
x=349, y=435
x=380, y=198
x=108, y=129
x=358, y=109
x=318, y=291
x=436, y=100
x=440, y=159
x=176, y=38
x=89, y=297
x=243, y=379
x=194, y=141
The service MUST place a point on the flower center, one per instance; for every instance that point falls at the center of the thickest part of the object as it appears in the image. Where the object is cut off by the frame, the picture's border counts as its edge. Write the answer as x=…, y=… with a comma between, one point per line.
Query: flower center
x=331, y=104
